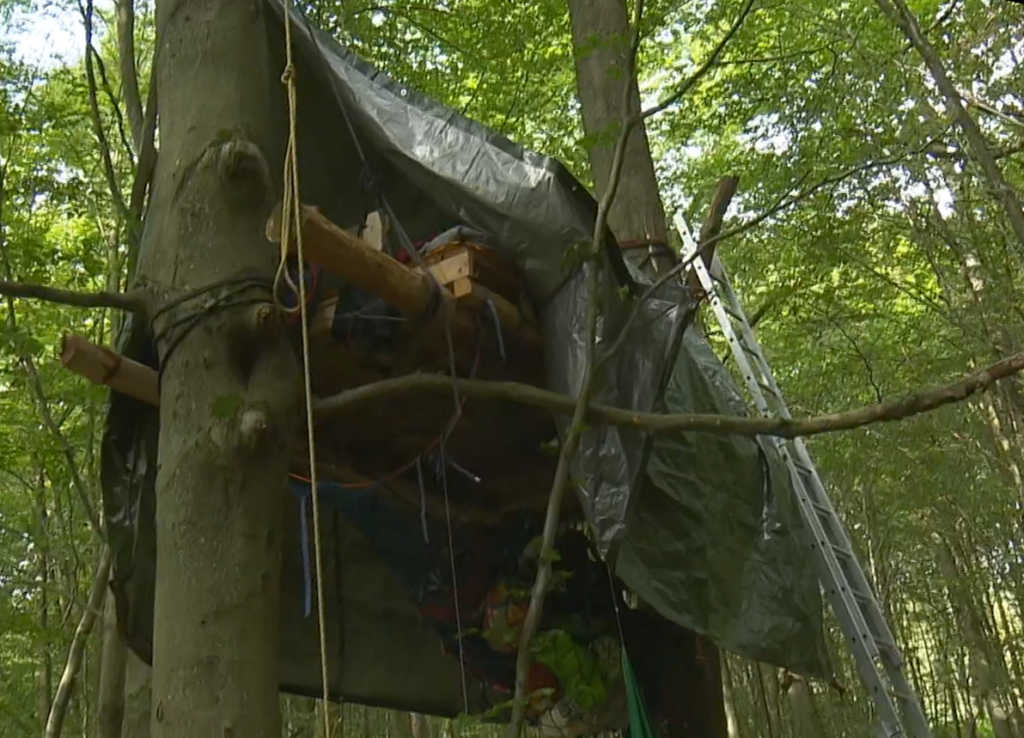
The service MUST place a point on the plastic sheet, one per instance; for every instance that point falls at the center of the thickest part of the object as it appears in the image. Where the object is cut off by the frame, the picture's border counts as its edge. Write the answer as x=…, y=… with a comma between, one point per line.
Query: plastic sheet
x=703, y=528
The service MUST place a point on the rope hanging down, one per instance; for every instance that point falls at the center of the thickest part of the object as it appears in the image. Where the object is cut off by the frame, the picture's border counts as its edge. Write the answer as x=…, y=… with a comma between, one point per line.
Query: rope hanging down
x=291, y=204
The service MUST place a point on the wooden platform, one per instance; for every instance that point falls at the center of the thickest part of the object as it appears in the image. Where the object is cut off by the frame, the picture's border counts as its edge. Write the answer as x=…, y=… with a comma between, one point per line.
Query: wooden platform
x=495, y=454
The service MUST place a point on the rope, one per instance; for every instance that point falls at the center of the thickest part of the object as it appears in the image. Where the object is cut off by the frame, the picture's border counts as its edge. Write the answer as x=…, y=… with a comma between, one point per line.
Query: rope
x=291, y=207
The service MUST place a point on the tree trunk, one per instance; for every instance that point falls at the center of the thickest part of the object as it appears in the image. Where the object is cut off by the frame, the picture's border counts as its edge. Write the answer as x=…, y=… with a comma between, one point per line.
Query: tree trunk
x=601, y=34
x=110, y=699
x=230, y=391
x=400, y=725
x=129, y=70
x=980, y=150
x=420, y=726
x=66, y=686
x=729, y=695
x=137, y=698
x=44, y=677
x=806, y=721
x=980, y=663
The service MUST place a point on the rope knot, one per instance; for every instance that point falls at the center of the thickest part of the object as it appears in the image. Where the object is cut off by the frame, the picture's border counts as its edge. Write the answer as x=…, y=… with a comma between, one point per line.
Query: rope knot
x=288, y=75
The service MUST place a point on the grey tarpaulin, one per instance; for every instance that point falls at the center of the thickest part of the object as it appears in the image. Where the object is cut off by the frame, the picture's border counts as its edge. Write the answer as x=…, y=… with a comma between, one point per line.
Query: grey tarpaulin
x=701, y=527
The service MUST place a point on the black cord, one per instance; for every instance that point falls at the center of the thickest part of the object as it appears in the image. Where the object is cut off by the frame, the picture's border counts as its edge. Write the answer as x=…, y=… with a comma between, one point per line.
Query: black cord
x=177, y=330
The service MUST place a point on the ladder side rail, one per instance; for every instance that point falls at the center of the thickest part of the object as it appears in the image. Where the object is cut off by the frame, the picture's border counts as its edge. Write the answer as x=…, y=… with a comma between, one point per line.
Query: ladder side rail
x=850, y=594
x=755, y=348
x=877, y=617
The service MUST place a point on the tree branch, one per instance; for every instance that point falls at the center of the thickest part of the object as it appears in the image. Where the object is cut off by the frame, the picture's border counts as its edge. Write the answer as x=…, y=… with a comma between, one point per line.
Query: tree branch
x=66, y=686
x=65, y=447
x=132, y=302
x=570, y=445
x=129, y=72
x=694, y=78
x=94, y=112
x=112, y=98
x=981, y=152
x=526, y=394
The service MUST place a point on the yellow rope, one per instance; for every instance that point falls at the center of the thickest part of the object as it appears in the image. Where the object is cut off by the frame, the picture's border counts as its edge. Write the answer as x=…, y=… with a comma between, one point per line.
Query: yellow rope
x=291, y=207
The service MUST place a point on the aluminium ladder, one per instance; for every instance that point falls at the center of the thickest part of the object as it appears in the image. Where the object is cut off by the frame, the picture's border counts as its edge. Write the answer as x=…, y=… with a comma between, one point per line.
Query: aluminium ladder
x=878, y=658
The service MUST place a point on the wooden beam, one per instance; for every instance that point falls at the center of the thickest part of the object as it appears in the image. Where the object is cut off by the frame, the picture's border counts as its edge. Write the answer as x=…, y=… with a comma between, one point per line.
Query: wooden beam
x=101, y=365
x=362, y=266
x=410, y=291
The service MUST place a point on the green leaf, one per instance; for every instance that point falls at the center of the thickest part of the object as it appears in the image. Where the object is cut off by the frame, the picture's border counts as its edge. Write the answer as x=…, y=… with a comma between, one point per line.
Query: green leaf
x=226, y=407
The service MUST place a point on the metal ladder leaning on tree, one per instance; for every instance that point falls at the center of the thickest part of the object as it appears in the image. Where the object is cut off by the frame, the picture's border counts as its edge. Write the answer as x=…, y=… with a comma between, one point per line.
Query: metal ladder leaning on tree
x=878, y=658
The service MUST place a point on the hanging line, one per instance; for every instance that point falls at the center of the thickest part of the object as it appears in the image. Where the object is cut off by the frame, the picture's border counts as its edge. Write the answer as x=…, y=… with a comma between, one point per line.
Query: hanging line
x=291, y=207
x=303, y=494
x=367, y=171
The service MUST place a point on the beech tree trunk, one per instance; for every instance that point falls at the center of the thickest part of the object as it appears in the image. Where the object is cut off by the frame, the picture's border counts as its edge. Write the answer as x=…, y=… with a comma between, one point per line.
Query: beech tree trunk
x=137, y=698
x=601, y=35
x=231, y=389
x=110, y=696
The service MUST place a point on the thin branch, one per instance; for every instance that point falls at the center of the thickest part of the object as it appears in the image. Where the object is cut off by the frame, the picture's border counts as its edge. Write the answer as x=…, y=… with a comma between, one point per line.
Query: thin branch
x=526, y=394
x=132, y=302
x=69, y=453
x=710, y=62
x=990, y=109
x=570, y=445
x=115, y=106
x=66, y=686
x=94, y=112
x=129, y=71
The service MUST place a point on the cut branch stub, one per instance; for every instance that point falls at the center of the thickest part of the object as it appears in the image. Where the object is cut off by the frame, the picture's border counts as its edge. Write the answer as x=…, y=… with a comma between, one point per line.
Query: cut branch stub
x=101, y=365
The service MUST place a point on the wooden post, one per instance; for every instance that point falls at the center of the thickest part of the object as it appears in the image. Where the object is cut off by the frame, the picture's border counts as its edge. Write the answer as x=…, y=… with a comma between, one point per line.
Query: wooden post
x=101, y=365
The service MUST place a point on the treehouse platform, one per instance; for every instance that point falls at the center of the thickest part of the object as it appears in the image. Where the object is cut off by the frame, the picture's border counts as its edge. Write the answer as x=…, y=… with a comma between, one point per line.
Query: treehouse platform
x=455, y=307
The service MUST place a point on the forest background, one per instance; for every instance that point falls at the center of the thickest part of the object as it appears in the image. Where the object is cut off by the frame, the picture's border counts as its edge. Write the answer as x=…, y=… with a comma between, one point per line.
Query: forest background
x=878, y=261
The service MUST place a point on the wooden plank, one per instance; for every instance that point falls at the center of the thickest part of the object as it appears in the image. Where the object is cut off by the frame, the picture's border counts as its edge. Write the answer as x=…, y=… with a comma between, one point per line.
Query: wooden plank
x=101, y=365
x=450, y=270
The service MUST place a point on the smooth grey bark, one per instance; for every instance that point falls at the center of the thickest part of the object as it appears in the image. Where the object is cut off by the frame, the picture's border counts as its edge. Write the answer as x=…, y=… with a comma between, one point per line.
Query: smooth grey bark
x=420, y=726
x=221, y=479
x=601, y=34
x=110, y=694
x=137, y=698
x=125, y=10
x=806, y=720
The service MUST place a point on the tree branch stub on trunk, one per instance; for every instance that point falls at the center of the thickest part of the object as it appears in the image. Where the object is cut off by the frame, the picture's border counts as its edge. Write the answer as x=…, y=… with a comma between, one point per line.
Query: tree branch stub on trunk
x=218, y=493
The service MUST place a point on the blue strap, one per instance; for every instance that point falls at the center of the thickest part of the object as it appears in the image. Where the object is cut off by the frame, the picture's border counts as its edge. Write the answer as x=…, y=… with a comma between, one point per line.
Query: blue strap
x=423, y=499
x=303, y=493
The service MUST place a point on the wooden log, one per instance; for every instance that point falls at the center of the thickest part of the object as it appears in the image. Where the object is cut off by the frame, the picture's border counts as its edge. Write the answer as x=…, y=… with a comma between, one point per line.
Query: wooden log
x=101, y=365
x=365, y=268
x=410, y=291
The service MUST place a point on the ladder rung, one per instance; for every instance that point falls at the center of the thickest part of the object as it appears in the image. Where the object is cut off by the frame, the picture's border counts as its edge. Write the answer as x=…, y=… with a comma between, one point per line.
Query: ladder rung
x=735, y=315
x=843, y=553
